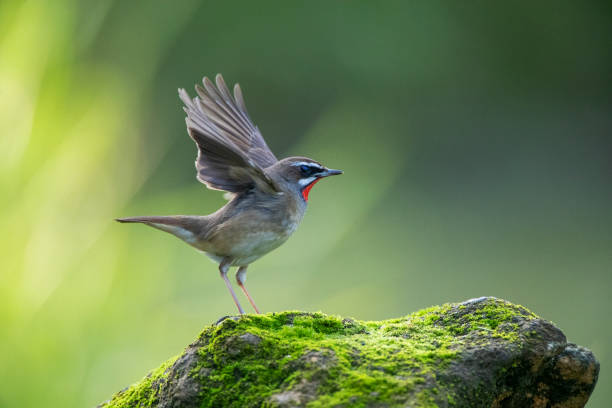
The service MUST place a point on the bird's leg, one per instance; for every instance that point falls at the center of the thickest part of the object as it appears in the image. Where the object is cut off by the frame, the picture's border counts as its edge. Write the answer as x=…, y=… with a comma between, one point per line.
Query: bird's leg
x=223, y=268
x=241, y=278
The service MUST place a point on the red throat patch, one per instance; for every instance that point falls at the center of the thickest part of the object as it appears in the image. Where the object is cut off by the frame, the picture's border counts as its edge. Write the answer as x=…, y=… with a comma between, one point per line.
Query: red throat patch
x=306, y=190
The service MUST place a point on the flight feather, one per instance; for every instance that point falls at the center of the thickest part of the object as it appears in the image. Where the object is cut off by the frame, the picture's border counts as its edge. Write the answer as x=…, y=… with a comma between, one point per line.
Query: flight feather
x=232, y=154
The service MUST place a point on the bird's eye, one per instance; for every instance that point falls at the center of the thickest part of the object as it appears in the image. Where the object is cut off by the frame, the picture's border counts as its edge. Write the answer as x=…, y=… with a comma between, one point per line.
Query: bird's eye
x=305, y=169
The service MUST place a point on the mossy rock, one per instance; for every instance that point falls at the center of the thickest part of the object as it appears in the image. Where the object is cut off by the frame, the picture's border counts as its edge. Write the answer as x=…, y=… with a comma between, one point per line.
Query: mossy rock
x=484, y=352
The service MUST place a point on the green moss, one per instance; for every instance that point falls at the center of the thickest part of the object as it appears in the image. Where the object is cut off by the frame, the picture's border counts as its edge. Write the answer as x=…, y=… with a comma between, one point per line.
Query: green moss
x=254, y=359
x=145, y=392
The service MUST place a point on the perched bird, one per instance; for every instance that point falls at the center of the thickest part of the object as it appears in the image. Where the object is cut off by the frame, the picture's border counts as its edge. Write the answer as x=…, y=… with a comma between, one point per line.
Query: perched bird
x=267, y=196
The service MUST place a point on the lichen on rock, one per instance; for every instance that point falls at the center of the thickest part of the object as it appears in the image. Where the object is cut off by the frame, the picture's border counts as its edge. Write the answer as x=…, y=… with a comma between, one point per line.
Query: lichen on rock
x=484, y=352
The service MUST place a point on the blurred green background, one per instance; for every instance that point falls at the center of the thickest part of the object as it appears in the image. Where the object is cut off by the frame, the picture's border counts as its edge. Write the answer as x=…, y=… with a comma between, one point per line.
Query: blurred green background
x=475, y=139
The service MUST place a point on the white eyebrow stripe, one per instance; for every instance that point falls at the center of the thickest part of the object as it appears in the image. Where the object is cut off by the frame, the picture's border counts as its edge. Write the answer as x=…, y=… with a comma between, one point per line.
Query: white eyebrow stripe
x=309, y=164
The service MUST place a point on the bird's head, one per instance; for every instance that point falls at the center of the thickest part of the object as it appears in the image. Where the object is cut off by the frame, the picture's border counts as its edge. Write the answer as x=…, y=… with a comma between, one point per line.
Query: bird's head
x=299, y=174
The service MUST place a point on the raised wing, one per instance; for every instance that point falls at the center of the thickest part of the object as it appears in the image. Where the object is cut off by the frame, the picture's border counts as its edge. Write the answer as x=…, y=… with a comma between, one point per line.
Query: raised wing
x=231, y=151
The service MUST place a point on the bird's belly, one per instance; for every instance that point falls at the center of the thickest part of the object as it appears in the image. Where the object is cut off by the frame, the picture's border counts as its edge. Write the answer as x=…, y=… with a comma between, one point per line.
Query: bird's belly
x=250, y=235
x=245, y=247
x=255, y=245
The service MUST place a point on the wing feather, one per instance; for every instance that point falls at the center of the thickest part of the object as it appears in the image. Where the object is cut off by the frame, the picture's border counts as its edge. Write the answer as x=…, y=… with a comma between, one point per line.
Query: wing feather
x=232, y=154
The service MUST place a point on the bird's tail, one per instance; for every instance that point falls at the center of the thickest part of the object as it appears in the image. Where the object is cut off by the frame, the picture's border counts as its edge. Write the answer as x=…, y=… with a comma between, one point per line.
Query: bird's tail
x=186, y=227
x=167, y=220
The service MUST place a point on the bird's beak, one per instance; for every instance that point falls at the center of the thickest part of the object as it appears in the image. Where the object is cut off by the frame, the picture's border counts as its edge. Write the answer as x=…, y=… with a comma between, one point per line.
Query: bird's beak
x=329, y=172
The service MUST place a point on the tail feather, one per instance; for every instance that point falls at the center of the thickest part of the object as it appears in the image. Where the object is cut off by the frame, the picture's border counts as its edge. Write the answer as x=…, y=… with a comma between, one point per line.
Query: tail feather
x=149, y=220
x=187, y=228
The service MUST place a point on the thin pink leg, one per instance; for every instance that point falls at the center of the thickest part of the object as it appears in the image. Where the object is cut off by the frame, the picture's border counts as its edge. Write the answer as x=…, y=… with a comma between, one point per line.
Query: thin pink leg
x=223, y=268
x=241, y=278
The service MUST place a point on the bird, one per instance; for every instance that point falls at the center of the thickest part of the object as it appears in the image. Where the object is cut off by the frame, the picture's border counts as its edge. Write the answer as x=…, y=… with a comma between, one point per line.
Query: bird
x=266, y=197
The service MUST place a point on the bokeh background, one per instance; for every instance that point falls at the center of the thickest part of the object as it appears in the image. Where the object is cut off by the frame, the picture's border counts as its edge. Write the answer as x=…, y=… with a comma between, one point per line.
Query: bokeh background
x=476, y=142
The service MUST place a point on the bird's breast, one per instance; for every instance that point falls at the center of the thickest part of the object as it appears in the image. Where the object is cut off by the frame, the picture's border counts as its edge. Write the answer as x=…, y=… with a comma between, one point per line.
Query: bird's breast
x=250, y=234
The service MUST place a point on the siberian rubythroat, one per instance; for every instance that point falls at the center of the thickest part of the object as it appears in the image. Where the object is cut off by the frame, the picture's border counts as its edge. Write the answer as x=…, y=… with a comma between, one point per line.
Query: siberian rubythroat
x=267, y=196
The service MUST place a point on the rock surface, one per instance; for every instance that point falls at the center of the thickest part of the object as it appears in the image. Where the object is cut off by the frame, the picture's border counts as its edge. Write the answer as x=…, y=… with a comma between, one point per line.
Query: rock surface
x=484, y=352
